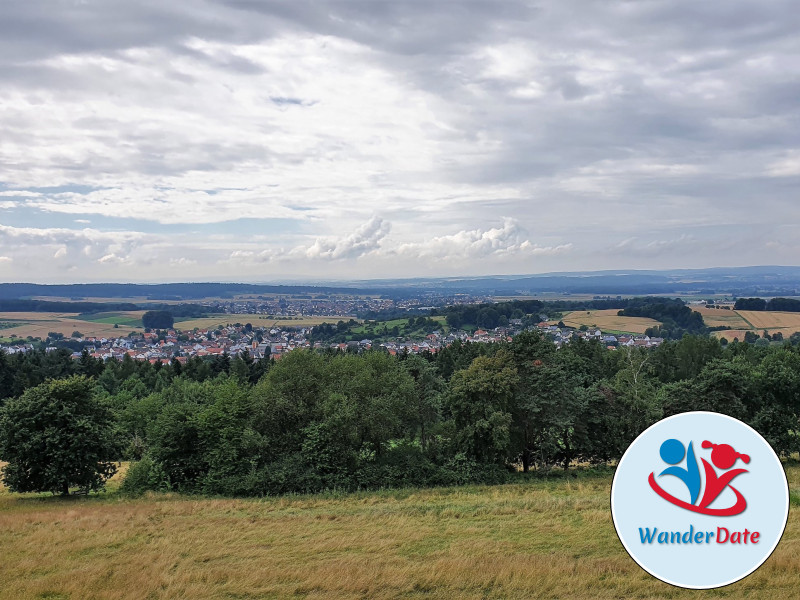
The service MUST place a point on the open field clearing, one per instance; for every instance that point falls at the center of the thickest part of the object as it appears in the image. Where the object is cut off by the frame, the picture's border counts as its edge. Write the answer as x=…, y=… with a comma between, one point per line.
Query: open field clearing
x=772, y=320
x=256, y=321
x=607, y=320
x=742, y=321
x=39, y=324
x=715, y=317
x=131, y=318
x=540, y=539
x=739, y=333
x=371, y=327
x=732, y=334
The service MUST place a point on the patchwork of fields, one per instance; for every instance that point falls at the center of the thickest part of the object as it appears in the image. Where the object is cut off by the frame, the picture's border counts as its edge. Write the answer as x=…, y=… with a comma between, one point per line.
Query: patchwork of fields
x=39, y=324
x=537, y=539
x=742, y=321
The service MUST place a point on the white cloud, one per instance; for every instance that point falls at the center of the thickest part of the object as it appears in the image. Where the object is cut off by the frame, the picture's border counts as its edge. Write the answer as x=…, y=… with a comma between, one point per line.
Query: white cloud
x=19, y=194
x=587, y=128
x=789, y=166
x=373, y=240
x=507, y=240
x=362, y=241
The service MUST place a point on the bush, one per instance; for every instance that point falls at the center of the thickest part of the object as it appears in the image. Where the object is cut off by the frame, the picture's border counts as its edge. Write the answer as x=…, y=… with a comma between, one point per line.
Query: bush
x=143, y=476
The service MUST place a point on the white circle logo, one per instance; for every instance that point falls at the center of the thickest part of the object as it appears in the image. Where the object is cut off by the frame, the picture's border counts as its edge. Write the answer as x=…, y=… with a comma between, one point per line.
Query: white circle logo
x=700, y=500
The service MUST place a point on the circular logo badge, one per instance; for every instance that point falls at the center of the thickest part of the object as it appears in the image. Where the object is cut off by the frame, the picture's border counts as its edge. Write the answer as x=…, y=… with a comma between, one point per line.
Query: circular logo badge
x=699, y=500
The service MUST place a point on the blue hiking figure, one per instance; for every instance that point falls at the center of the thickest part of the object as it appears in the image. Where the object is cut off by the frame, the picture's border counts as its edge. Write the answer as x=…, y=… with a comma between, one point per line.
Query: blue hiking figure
x=672, y=452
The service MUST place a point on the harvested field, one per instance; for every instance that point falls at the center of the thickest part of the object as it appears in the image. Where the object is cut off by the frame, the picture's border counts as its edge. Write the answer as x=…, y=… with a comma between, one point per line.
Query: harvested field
x=715, y=317
x=731, y=334
x=608, y=320
x=772, y=320
x=39, y=324
x=256, y=321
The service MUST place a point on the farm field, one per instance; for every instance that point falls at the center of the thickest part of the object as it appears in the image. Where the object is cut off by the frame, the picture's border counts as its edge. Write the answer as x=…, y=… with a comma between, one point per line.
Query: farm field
x=772, y=320
x=732, y=334
x=255, y=320
x=538, y=539
x=743, y=321
x=38, y=324
x=608, y=320
x=714, y=317
x=370, y=328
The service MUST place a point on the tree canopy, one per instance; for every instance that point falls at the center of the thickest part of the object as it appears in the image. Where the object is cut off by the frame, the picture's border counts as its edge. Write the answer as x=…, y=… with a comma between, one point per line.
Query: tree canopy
x=57, y=436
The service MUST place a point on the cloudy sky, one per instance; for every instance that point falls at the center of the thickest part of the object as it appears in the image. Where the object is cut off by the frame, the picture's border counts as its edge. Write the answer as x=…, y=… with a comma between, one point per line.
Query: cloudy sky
x=270, y=141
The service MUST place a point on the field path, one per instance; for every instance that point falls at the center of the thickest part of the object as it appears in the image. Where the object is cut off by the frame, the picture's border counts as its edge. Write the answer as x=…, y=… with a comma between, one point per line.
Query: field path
x=745, y=319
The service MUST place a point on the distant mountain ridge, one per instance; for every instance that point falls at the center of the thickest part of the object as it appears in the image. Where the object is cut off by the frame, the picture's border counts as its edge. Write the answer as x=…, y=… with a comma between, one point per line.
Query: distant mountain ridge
x=753, y=280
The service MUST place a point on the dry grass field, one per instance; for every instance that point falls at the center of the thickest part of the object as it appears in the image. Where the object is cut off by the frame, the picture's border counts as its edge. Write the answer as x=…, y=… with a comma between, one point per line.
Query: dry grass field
x=38, y=324
x=256, y=321
x=732, y=334
x=772, y=320
x=743, y=321
x=607, y=320
x=551, y=539
x=714, y=317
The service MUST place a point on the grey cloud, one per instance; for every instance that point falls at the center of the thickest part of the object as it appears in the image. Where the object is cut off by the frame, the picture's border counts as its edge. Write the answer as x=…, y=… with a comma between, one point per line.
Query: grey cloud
x=615, y=113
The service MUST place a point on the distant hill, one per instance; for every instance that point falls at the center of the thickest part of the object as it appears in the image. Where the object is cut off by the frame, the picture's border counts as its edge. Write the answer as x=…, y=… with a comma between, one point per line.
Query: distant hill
x=739, y=281
x=158, y=291
x=764, y=281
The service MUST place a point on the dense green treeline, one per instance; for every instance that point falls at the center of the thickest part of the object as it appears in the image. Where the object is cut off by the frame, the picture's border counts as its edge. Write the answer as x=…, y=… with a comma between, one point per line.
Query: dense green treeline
x=26, y=305
x=491, y=315
x=776, y=304
x=676, y=318
x=314, y=421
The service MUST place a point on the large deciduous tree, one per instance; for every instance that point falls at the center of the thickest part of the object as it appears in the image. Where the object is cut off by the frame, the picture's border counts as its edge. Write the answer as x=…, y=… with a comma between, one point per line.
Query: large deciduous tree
x=57, y=436
x=481, y=402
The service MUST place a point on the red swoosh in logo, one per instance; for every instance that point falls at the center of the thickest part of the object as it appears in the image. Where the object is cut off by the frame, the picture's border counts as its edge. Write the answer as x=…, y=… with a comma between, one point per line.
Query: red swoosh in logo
x=737, y=508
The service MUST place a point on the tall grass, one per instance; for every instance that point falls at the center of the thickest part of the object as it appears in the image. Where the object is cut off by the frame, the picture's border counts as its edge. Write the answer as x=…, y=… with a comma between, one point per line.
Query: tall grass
x=538, y=539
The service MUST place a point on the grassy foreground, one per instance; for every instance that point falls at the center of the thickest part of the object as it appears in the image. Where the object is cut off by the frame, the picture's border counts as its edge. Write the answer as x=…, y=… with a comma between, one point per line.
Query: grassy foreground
x=538, y=539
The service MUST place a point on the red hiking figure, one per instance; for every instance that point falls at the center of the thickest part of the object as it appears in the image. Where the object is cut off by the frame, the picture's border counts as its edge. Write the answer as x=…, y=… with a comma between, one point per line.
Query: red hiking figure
x=724, y=457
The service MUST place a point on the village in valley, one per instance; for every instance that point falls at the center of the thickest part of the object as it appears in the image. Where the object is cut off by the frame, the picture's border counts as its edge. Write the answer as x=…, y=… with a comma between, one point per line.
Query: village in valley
x=274, y=342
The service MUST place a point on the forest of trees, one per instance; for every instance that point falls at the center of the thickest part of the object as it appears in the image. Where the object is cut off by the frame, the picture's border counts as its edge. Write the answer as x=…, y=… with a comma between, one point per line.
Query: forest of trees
x=676, y=318
x=491, y=315
x=776, y=304
x=158, y=319
x=327, y=420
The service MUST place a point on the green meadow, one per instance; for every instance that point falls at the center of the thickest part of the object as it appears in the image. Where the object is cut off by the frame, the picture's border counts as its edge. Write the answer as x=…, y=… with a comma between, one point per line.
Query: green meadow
x=539, y=538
